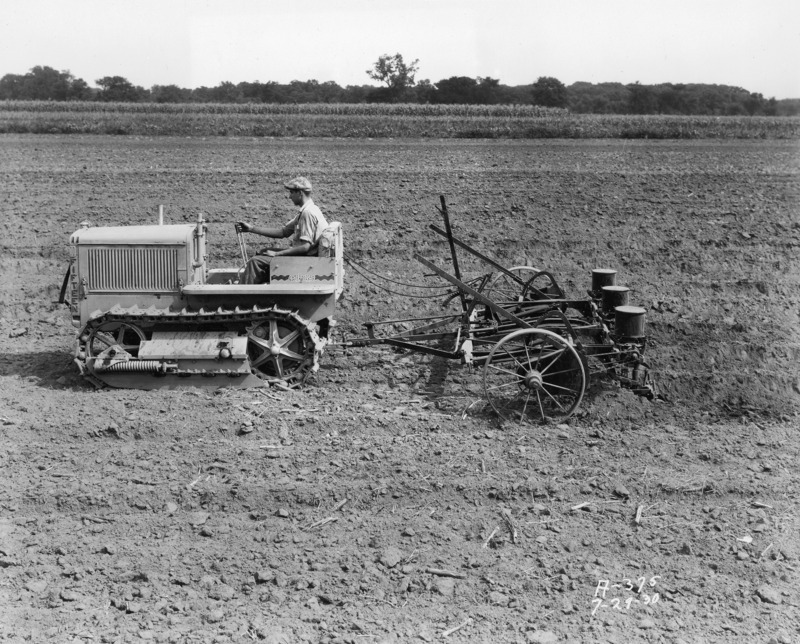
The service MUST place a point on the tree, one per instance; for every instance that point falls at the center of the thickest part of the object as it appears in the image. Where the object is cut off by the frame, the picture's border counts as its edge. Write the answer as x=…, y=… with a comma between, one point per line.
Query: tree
x=456, y=90
x=43, y=84
x=357, y=93
x=670, y=98
x=488, y=91
x=603, y=98
x=11, y=87
x=425, y=92
x=397, y=75
x=80, y=91
x=754, y=104
x=771, y=108
x=226, y=92
x=169, y=94
x=549, y=92
x=117, y=88
x=642, y=99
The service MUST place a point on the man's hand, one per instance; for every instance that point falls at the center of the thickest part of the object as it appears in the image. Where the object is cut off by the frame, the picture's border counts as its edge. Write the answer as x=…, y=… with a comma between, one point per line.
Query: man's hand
x=271, y=253
x=243, y=227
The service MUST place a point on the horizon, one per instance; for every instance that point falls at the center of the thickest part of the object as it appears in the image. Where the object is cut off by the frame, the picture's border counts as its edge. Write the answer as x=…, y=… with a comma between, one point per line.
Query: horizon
x=373, y=83
x=753, y=45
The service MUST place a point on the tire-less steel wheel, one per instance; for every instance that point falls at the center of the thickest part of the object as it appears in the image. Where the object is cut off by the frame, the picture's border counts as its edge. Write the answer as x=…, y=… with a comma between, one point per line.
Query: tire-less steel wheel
x=281, y=348
x=534, y=375
x=503, y=288
x=542, y=286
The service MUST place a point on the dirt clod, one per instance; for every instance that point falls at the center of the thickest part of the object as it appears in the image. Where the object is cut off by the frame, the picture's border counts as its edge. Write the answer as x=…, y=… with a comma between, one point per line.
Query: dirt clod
x=769, y=595
x=236, y=531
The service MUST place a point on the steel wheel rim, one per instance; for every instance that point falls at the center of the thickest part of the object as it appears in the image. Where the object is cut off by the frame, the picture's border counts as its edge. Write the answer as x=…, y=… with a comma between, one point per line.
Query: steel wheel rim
x=534, y=375
x=504, y=289
x=532, y=291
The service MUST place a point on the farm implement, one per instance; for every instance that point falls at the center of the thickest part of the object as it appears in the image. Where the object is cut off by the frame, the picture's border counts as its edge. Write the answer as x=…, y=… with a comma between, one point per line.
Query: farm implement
x=538, y=349
x=152, y=314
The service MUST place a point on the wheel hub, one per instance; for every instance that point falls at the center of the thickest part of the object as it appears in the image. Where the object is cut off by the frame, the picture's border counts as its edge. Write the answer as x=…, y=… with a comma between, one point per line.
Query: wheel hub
x=533, y=380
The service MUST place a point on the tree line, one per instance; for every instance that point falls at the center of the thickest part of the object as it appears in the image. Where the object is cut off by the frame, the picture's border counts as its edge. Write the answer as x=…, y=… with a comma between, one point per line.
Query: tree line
x=399, y=85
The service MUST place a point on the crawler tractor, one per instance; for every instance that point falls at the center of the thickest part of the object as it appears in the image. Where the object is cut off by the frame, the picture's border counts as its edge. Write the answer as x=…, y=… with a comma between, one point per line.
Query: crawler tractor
x=151, y=313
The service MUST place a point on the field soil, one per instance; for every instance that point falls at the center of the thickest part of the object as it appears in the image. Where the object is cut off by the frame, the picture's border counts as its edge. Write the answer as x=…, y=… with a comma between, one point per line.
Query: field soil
x=385, y=502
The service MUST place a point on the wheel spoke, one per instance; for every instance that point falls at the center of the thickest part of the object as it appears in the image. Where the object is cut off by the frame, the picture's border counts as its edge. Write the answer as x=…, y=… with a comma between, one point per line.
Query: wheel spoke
x=124, y=335
x=505, y=289
x=541, y=406
x=262, y=344
x=291, y=355
x=534, y=373
x=504, y=385
x=280, y=348
x=525, y=405
x=263, y=358
x=105, y=339
x=287, y=340
x=527, y=354
x=539, y=355
x=548, y=357
x=513, y=357
x=549, y=385
x=499, y=369
x=549, y=395
x=552, y=374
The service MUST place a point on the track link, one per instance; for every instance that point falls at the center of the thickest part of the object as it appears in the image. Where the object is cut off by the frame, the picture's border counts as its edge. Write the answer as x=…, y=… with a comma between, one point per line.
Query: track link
x=244, y=320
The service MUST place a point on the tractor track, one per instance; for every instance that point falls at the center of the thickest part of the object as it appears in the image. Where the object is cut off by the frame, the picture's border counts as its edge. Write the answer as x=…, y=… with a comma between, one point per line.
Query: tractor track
x=241, y=319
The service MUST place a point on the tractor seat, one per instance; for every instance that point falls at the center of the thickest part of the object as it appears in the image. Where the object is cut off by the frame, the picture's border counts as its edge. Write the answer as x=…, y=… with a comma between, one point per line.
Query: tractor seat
x=329, y=243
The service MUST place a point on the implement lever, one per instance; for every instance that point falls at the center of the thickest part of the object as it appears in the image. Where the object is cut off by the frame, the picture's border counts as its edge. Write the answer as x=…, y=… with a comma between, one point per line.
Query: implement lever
x=451, y=240
x=468, y=248
x=242, y=243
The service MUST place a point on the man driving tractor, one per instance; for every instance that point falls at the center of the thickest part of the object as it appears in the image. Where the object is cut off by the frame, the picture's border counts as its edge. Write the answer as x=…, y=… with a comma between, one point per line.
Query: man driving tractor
x=305, y=229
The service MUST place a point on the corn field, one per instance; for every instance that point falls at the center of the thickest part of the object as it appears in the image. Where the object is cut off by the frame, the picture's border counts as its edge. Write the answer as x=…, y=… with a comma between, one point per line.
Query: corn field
x=373, y=120
x=276, y=109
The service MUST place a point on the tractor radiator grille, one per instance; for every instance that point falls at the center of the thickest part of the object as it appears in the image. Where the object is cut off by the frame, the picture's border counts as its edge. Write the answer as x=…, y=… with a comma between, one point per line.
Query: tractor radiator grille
x=131, y=268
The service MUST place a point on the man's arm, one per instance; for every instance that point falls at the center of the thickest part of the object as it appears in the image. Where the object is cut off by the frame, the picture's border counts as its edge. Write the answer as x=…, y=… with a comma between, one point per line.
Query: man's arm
x=275, y=233
x=301, y=249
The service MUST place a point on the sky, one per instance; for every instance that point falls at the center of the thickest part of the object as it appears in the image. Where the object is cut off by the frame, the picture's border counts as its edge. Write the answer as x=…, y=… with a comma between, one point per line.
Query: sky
x=753, y=44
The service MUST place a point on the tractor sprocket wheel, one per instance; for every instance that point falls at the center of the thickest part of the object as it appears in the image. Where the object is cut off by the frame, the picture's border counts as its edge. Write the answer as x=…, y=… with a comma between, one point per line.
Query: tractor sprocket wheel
x=124, y=335
x=534, y=375
x=281, y=348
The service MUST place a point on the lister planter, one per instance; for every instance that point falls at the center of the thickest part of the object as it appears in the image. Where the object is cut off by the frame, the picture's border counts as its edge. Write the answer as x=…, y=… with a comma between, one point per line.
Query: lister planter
x=152, y=314
x=537, y=347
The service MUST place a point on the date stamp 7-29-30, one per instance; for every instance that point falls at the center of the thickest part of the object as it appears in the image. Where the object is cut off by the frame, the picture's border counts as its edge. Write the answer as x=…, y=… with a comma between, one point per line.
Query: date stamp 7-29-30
x=625, y=594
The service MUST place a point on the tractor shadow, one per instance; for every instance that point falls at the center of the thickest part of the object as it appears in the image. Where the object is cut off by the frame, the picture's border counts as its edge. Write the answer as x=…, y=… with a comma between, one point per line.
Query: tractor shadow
x=48, y=369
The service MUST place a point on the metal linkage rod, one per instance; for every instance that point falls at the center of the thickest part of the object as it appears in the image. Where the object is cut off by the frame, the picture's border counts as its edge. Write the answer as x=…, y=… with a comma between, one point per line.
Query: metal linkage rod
x=463, y=288
x=479, y=255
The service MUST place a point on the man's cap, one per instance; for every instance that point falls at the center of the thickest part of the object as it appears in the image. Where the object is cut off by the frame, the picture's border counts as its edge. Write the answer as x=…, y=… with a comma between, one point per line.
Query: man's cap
x=298, y=183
